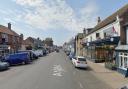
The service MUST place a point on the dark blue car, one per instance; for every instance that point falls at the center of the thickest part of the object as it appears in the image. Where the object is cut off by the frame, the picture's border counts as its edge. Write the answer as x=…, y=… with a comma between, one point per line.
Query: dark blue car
x=31, y=53
x=17, y=58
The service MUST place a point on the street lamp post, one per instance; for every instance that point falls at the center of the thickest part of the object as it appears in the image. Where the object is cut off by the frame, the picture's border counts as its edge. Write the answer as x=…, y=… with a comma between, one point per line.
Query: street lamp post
x=87, y=46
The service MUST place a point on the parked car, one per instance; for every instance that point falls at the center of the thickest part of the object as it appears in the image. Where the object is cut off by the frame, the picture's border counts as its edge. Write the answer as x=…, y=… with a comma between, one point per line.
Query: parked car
x=45, y=52
x=79, y=61
x=57, y=50
x=18, y=58
x=67, y=53
x=39, y=53
x=124, y=87
x=71, y=55
x=31, y=53
x=4, y=66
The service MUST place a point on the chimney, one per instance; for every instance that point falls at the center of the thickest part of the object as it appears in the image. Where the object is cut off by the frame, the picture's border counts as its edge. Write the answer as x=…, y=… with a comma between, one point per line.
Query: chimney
x=9, y=26
x=22, y=36
x=84, y=30
x=99, y=20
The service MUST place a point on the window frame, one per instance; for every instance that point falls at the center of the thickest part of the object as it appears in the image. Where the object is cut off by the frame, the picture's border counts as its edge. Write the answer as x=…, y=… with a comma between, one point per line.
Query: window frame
x=123, y=63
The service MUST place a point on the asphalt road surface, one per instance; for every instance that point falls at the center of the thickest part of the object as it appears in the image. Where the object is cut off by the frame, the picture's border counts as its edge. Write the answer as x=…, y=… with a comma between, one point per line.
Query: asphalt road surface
x=54, y=71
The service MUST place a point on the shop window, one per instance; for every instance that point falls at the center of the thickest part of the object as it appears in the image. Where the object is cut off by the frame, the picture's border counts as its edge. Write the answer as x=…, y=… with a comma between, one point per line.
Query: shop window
x=121, y=54
x=125, y=54
x=125, y=62
x=121, y=61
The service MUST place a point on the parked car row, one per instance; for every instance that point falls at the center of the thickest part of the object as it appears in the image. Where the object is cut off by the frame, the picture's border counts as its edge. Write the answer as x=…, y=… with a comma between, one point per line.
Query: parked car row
x=21, y=57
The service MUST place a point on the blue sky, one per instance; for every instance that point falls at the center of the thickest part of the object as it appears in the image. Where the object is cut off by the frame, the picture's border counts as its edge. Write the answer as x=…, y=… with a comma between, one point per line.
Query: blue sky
x=59, y=19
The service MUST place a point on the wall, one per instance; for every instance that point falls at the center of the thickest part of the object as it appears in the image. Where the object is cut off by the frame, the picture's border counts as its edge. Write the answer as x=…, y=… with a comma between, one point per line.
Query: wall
x=115, y=24
x=124, y=23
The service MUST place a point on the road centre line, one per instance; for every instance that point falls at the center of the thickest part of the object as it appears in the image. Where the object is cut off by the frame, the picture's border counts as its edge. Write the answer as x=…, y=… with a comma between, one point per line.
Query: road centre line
x=81, y=86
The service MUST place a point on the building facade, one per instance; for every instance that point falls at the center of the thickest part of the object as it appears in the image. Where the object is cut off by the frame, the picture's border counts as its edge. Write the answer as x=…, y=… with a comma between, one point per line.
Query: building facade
x=100, y=43
x=10, y=41
x=78, y=44
x=108, y=41
x=122, y=49
x=32, y=43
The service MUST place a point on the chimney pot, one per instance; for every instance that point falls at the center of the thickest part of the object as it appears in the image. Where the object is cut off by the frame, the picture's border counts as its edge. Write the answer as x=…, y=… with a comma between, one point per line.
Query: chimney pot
x=84, y=30
x=99, y=20
x=9, y=26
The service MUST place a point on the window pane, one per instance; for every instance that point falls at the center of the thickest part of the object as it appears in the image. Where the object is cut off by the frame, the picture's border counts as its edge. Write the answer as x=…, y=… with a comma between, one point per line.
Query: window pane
x=81, y=59
x=121, y=61
x=125, y=54
x=125, y=62
x=121, y=53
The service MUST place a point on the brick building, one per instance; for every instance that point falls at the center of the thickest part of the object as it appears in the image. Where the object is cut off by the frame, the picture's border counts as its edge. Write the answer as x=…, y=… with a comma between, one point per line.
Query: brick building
x=32, y=42
x=9, y=39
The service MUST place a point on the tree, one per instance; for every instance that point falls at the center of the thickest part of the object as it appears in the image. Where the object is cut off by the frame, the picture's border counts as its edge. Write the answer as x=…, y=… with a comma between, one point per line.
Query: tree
x=48, y=41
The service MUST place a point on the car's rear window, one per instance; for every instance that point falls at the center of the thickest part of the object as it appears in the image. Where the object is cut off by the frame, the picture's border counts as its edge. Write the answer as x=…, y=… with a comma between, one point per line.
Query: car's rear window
x=81, y=59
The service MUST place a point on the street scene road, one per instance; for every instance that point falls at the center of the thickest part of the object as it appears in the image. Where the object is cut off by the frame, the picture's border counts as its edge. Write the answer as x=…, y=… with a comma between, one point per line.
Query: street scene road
x=64, y=44
x=55, y=71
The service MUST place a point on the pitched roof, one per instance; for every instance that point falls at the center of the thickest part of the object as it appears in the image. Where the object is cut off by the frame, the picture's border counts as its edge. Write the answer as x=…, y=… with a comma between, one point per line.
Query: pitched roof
x=4, y=29
x=30, y=39
x=111, y=18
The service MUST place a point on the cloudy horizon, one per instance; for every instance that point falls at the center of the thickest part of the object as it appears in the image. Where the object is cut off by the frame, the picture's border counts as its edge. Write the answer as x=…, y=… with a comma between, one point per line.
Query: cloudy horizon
x=59, y=19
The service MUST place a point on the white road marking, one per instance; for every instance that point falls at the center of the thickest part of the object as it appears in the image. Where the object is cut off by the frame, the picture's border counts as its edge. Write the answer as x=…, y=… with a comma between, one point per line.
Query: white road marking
x=57, y=74
x=81, y=86
x=58, y=70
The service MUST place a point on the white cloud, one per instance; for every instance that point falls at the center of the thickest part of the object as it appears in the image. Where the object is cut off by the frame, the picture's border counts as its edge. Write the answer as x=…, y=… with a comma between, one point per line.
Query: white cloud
x=29, y=2
x=47, y=14
x=89, y=15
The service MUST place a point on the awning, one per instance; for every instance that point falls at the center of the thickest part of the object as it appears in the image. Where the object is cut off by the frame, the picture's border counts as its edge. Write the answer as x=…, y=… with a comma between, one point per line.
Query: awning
x=105, y=41
x=122, y=47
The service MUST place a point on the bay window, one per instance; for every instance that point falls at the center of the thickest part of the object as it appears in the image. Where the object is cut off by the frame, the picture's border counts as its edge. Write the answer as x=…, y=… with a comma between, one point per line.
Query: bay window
x=123, y=60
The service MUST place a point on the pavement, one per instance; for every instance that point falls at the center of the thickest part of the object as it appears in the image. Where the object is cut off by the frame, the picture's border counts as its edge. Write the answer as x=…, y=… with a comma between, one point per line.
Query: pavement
x=54, y=71
x=110, y=77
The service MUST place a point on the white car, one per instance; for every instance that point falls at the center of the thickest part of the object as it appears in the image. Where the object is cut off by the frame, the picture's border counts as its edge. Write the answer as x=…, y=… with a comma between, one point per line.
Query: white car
x=39, y=53
x=80, y=62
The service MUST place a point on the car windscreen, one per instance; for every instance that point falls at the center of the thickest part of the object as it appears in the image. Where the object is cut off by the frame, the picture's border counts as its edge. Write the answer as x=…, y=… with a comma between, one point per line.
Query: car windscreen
x=81, y=59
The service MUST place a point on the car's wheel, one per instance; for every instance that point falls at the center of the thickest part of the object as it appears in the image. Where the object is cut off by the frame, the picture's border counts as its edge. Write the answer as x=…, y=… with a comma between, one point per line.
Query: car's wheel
x=27, y=62
x=75, y=65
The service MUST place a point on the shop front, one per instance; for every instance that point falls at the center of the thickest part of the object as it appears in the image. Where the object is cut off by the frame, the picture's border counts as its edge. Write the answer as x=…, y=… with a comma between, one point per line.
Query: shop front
x=102, y=50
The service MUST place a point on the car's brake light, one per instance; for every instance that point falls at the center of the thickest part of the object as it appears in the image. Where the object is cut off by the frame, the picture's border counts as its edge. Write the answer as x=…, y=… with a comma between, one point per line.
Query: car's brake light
x=78, y=62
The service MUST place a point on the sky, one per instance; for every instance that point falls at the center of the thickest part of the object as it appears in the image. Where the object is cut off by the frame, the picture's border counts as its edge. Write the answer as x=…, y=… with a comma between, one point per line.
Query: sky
x=59, y=19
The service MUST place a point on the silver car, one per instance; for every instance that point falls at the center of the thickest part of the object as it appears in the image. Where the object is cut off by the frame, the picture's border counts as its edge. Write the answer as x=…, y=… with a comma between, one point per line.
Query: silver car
x=4, y=66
